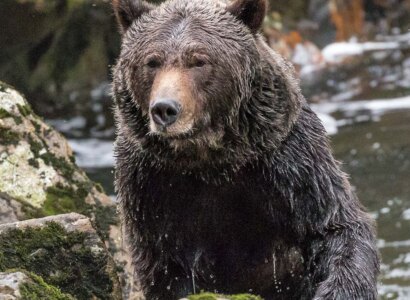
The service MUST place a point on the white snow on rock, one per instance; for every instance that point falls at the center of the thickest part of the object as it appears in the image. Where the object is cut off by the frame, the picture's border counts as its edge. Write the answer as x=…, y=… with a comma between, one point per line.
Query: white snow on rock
x=376, y=107
x=337, y=52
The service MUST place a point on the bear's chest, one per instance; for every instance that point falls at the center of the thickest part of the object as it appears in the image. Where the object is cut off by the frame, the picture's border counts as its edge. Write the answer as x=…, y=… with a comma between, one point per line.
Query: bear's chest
x=228, y=235
x=232, y=220
x=242, y=211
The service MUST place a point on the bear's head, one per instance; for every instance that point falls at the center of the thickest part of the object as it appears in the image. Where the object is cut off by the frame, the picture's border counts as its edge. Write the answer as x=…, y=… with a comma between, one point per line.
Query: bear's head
x=196, y=81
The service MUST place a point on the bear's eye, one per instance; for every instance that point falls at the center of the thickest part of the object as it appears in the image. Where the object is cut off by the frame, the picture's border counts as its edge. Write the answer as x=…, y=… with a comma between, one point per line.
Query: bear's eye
x=198, y=62
x=153, y=62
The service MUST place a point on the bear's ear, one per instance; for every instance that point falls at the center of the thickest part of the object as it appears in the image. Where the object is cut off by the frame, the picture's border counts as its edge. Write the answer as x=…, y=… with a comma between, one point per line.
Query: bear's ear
x=250, y=12
x=127, y=11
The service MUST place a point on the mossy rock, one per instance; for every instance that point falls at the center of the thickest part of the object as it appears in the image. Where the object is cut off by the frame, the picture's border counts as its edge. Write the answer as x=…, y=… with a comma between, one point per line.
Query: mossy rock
x=23, y=285
x=65, y=251
x=39, y=177
x=37, y=168
x=211, y=296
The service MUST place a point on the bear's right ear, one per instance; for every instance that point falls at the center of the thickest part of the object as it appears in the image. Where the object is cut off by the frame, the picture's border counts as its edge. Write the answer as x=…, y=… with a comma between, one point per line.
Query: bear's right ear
x=127, y=11
x=250, y=12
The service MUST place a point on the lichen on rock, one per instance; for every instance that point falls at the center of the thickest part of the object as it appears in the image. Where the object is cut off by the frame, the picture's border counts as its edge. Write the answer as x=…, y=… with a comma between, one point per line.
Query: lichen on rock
x=37, y=166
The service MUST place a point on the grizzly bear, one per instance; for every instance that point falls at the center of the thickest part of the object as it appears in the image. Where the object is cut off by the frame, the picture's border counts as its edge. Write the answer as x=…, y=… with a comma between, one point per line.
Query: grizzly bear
x=225, y=178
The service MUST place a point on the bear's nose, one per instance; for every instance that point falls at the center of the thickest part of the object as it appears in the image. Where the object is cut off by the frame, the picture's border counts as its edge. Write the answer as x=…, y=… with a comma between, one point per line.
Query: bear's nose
x=165, y=112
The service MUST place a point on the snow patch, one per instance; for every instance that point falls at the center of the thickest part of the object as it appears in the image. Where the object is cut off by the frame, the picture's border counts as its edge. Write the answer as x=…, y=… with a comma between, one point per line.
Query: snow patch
x=337, y=52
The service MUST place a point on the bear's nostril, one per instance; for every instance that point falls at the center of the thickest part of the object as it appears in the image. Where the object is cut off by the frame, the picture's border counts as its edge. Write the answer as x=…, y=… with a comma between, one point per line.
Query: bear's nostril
x=165, y=112
x=171, y=112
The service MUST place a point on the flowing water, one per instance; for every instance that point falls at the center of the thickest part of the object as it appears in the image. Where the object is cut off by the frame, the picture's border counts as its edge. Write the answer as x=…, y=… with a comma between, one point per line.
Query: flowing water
x=376, y=154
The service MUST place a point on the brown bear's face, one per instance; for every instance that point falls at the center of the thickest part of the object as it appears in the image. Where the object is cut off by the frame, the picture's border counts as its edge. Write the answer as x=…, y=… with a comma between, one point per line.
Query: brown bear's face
x=173, y=81
x=189, y=64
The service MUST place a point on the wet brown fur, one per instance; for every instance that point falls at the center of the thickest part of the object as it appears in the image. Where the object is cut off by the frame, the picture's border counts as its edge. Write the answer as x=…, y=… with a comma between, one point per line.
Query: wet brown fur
x=176, y=84
x=250, y=197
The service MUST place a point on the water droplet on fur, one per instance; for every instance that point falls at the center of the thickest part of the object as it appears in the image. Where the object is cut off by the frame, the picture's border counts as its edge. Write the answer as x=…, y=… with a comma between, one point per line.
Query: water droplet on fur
x=168, y=287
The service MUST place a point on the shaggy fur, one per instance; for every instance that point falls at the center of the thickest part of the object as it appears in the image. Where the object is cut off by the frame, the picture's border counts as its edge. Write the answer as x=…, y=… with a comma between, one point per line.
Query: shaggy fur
x=250, y=199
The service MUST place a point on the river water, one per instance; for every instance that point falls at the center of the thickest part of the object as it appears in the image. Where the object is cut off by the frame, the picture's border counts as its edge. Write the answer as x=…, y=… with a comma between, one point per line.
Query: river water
x=376, y=154
x=365, y=106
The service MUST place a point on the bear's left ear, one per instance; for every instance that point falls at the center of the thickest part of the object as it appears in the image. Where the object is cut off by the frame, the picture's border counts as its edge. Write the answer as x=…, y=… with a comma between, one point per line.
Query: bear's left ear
x=250, y=12
x=127, y=11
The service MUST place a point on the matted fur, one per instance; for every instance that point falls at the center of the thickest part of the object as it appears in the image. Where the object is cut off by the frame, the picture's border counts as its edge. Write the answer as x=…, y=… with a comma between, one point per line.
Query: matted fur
x=250, y=198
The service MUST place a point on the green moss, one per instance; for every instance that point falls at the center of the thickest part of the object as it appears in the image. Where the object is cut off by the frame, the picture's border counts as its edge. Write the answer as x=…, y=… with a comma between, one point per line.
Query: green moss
x=35, y=146
x=31, y=212
x=4, y=114
x=68, y=198
x=37, y=127
x=244, y=297
x=59, y=257
x=25, y=110
x=211, y=296
x=9, y=137
x=72, y=159
x=60, y=200
x=99, y=187
x=60, y=164
x=38, y=289
x=105, y=216
x=34, y=163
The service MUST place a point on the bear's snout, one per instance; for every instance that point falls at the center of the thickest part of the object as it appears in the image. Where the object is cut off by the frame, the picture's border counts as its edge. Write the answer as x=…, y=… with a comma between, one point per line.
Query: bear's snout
x=172, y=107
x=165, y=112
